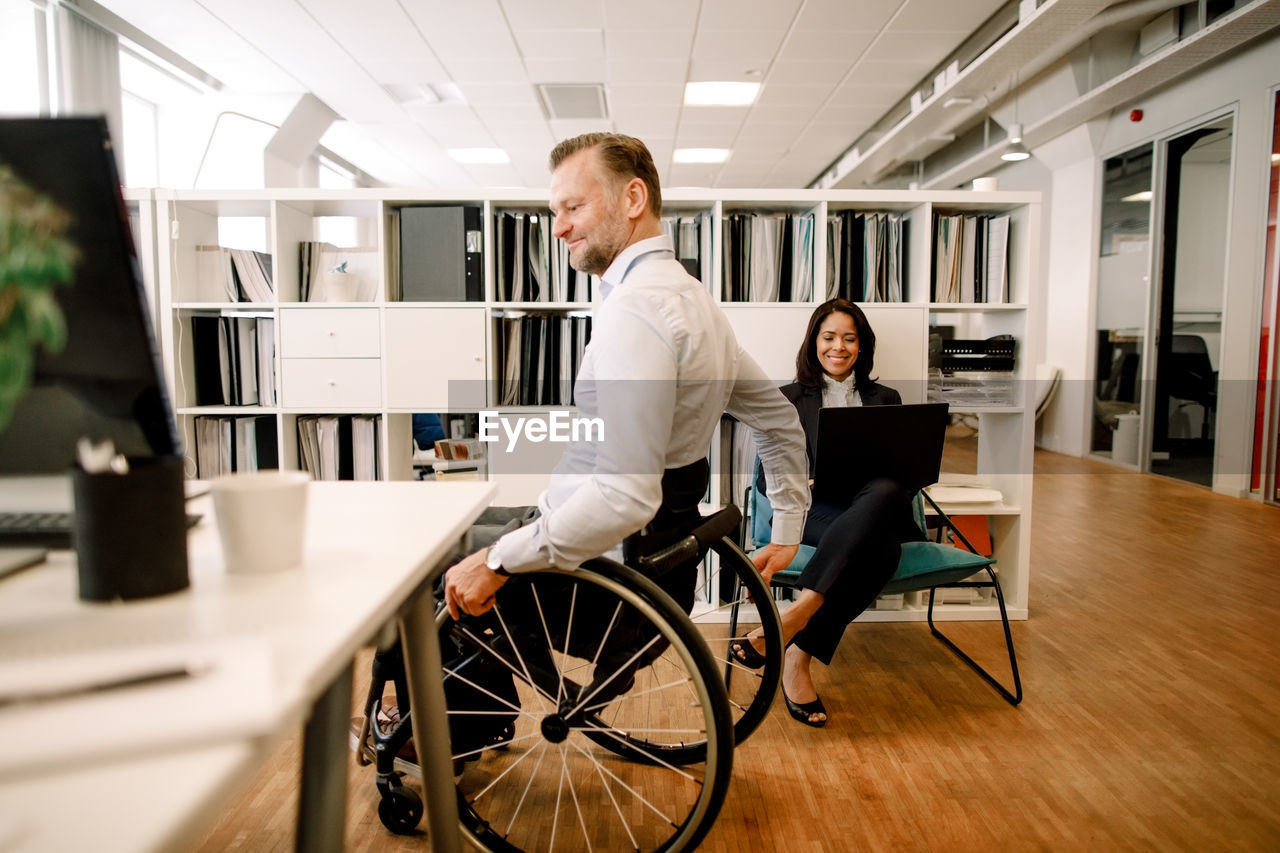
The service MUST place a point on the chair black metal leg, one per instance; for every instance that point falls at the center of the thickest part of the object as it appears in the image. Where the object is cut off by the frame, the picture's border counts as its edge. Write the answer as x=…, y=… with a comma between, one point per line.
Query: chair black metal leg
x=1014, y=697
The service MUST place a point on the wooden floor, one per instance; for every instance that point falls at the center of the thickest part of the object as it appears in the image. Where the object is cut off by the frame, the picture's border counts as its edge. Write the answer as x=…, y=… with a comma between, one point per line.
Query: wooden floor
x=1151, y=664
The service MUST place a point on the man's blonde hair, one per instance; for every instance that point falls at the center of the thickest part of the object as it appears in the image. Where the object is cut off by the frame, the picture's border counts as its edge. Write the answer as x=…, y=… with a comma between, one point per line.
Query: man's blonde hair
x=624, y=157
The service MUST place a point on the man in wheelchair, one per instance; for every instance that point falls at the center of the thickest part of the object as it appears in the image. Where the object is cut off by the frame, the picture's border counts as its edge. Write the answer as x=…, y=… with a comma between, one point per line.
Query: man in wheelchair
x=661, y=367
x=544, y=630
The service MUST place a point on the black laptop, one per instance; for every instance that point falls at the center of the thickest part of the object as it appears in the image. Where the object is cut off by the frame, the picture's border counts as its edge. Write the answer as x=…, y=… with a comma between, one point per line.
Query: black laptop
x=857, y=444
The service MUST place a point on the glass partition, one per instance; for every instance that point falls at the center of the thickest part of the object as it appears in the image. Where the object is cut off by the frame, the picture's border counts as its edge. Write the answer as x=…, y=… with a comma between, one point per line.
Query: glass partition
x=1123, y=272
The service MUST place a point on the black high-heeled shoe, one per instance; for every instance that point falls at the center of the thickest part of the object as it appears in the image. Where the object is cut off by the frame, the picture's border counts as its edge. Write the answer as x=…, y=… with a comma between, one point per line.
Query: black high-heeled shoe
x=801, y=712
x=745, y=653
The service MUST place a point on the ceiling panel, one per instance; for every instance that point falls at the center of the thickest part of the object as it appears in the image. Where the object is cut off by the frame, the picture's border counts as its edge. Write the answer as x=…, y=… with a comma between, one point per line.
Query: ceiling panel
x=826, y=72
x=830, y=68
x=649, y=45
x=581, y=45
x=835, y=45
x=755, y=47
x=419, y=70
x=770, y=15
x=554, y=14
x=432, y=16
x=831, y=15
x=776, y=94
x=960, y=16
x=485, y=70
x=626, y=15
x=649, y=72
x=474, y=45
x=565, y=70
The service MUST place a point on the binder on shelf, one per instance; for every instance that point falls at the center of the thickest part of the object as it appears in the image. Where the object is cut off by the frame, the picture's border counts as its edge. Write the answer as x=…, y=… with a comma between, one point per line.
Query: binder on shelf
x=233, y=275
x=226, y=444
x=866, y=260
x=209, y=356
x=339, y=447
x=234, y=359
x=440, y=254
x=970, y=258
x=539, y=357
x=768, y=257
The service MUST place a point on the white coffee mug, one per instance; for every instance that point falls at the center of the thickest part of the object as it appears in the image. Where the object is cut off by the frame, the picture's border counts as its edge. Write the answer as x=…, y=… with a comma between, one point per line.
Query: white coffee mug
x=261, y=519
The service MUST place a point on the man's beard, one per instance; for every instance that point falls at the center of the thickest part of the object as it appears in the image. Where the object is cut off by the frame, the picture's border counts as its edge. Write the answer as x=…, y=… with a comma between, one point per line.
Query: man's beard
x=597, y=256
x=594, y=261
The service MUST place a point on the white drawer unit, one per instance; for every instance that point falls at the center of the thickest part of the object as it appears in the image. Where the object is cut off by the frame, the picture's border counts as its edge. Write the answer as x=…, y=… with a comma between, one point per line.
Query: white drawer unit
x=332, y=383
x=329, y=333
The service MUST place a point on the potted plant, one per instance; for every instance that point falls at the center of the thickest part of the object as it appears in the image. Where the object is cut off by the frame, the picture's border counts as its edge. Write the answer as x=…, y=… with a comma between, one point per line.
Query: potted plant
x=35, y=258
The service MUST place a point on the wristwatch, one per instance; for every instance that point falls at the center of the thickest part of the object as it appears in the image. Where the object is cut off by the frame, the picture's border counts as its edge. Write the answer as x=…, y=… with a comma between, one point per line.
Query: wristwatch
x=494, y=561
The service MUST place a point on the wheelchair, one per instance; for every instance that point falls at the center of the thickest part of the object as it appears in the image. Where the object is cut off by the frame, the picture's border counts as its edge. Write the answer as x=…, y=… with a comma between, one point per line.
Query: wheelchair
x=590, y=709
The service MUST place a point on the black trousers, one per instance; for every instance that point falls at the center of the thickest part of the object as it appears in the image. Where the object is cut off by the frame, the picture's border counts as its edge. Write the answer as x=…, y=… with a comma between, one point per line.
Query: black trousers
x=857, y=550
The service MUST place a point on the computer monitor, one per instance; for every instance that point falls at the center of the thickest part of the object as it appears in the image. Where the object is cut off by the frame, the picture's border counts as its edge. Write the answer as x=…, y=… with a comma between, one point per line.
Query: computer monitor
x=107, y=382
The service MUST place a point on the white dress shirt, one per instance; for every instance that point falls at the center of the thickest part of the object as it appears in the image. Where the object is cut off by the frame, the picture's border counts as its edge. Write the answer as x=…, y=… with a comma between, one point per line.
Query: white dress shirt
x=662, y=365
x=839, y=394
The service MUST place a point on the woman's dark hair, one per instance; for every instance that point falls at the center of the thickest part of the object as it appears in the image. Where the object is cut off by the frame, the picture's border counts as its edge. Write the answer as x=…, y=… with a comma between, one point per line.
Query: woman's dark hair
x=809, y=372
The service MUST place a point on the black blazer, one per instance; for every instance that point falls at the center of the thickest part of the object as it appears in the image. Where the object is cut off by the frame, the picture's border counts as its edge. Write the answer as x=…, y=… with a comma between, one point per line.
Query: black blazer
x=808, y=401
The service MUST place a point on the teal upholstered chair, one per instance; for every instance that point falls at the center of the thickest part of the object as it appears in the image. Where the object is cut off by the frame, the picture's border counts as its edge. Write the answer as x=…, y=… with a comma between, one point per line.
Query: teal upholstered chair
x=923, y=565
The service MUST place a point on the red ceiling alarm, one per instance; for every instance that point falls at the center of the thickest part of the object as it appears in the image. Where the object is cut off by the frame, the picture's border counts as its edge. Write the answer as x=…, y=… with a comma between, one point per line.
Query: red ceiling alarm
x=1135, y=115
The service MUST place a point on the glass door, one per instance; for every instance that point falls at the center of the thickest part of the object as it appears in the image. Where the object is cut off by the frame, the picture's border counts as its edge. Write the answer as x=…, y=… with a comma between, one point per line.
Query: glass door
x=1188, y=300
x=1123, y=275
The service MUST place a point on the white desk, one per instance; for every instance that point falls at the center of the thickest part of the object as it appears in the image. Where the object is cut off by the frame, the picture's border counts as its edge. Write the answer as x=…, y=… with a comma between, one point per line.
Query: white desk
x=370, y=548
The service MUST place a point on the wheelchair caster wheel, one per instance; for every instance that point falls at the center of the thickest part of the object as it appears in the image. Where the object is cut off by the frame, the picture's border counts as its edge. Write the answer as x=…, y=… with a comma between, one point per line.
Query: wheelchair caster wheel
x=400, y=809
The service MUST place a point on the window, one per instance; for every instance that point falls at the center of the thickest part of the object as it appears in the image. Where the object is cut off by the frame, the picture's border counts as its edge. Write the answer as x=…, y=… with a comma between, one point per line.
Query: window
x=20, y=42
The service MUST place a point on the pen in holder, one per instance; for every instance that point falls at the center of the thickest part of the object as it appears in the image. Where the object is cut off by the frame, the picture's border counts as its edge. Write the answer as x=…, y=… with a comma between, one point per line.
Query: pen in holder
x=130, y=529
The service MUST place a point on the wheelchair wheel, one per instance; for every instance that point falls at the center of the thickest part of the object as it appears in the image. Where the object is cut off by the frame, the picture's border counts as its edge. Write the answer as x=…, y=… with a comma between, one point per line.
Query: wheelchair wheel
x=742, y=601
x=739, y=601
x=586, y=665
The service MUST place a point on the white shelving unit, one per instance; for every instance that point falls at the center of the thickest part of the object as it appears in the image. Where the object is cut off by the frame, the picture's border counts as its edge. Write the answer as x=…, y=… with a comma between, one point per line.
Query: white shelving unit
x=393, y=358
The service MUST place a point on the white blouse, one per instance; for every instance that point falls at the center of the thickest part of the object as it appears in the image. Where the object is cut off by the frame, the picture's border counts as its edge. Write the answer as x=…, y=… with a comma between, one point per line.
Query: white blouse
x=837, y=395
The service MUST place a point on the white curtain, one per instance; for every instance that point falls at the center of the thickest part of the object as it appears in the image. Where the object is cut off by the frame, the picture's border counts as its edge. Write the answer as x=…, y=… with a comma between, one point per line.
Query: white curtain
x=88, y=64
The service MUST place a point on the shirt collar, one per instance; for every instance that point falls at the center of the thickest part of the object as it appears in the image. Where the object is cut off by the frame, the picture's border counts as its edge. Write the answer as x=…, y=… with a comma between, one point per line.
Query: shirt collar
x=845, y=384
x=617, y=271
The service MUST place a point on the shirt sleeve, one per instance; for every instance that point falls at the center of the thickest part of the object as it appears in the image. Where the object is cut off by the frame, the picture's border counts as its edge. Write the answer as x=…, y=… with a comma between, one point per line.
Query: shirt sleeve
x=780, y=442
x=634, y=384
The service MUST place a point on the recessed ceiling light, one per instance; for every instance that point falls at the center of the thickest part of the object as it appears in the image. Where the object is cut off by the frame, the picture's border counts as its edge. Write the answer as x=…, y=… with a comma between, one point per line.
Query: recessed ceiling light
x=1145, y=195
x=700, y=155
x=483, y=156
x=720, y=93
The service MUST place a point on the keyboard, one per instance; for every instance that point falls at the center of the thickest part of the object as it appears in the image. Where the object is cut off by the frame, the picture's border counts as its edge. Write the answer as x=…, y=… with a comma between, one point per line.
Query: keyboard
x=44, y=529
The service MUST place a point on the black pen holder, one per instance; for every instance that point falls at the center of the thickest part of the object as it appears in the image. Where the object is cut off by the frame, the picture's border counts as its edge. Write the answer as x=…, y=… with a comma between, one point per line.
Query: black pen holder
x=131, y=530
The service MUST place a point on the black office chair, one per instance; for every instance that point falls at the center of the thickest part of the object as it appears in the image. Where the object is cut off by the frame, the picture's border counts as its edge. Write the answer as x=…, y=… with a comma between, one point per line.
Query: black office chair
x=1192, y=377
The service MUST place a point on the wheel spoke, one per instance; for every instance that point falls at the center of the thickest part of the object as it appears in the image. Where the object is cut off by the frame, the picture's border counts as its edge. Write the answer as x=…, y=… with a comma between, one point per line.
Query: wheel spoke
x=457, y=673
x=498, y=656
x=637, y=694
x=515, y=647
x=582, y=701
x=639, y=797
x=543, y=748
